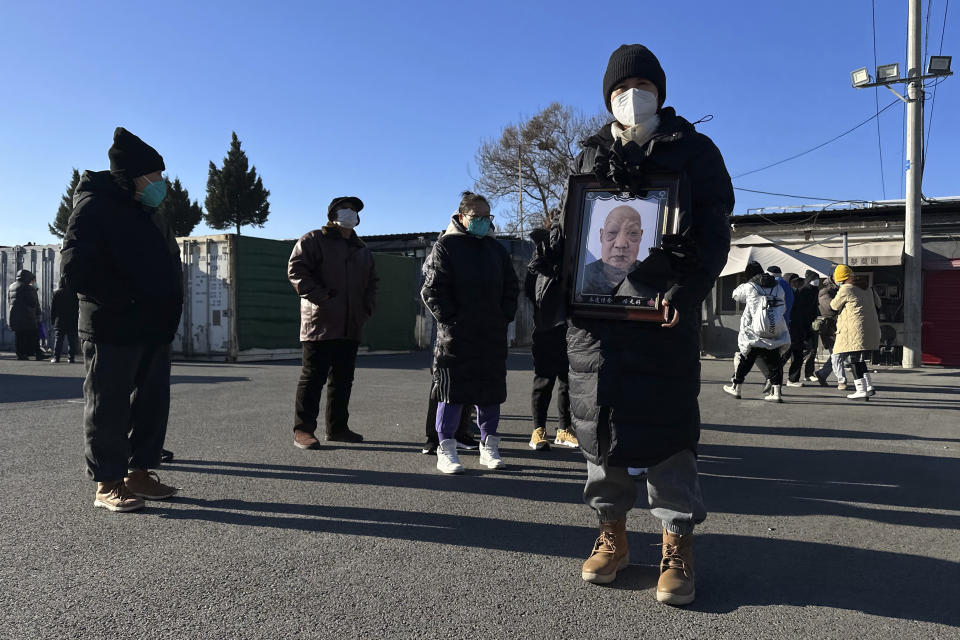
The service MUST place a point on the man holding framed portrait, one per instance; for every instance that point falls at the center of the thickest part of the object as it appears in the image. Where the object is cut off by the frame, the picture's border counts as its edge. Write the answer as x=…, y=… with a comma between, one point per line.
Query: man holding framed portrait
x=643, y=237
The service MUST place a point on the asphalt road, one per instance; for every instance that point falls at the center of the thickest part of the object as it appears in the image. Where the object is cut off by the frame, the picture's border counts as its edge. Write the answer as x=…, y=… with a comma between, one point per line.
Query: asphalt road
x=828, y=519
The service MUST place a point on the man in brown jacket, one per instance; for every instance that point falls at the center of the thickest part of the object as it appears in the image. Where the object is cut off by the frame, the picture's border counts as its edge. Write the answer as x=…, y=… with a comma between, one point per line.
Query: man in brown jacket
x=333, y=272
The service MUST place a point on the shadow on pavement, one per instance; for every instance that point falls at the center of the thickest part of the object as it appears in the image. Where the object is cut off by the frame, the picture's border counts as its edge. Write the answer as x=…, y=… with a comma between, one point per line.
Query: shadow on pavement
x=819, y=432
x=28, y=388
x=873, y=486
x=732, y=571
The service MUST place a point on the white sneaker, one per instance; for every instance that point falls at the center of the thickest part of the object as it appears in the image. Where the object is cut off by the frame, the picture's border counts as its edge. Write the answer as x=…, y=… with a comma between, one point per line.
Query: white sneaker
x=490, y=453
x=813, y=379
x=798, y=383
x=447, y=460
x=733, y=389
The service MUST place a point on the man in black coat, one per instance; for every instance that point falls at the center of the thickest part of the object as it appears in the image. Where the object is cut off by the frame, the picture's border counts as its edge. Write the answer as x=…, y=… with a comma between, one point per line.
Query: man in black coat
x=24, y=315
x=550, y=364
x=471, y=289
x=65, y=314
x=803, y=339
x=634, y=385
x=122, y=259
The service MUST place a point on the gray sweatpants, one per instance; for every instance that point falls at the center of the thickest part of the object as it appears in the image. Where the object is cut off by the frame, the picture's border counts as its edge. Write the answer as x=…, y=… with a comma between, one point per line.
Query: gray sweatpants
x=126, y=397
x=673, y=491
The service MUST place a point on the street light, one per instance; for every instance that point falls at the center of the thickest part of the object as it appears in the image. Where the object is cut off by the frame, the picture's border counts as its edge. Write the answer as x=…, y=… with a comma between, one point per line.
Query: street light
x=860, y=77
x=888, y=72
x=939, y=65
x=887, y=75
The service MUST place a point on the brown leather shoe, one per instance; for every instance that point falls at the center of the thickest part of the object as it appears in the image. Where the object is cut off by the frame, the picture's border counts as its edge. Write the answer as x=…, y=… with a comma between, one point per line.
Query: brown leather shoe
x=610, y=553
x=676, y=585
x=146, y=484
x=305, y=440
x=115, y=497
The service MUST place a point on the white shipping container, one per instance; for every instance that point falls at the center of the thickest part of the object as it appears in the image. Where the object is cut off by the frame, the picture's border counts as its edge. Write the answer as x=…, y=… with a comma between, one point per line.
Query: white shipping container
x=44, y=262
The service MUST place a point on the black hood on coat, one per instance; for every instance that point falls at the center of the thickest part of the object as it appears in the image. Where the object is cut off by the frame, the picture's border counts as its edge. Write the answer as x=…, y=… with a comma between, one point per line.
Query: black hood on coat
x=25, y=276
x=99, y=183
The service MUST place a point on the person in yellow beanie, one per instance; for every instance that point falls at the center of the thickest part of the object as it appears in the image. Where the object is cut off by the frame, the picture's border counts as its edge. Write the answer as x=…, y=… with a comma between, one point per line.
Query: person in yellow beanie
x=858, y=327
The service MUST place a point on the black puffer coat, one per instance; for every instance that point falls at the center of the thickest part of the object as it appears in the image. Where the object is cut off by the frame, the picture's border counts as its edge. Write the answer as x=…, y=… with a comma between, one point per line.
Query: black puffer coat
x=634, y=385
x=470, y=287
x=549, y=346
x=124, y=263
x=23, y=304
x=64, y=309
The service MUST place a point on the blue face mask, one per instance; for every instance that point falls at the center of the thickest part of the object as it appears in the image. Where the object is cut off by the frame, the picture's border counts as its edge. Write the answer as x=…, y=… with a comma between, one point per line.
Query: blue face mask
x=154, y=193
x=479, y=226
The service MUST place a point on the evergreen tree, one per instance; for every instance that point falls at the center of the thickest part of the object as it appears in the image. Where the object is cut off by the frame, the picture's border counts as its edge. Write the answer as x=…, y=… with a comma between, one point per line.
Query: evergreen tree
x=59, y=226
x=181, y=214
x=235, y=196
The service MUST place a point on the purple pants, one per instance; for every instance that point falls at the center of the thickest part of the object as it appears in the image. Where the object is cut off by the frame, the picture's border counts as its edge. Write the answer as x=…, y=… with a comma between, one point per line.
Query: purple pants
x=448, y=418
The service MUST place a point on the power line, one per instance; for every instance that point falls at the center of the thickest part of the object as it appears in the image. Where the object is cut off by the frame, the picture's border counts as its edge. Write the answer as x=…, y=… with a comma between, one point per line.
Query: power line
x=933, y=100
x=876, y=97
x=788, y=195
x=822, y=144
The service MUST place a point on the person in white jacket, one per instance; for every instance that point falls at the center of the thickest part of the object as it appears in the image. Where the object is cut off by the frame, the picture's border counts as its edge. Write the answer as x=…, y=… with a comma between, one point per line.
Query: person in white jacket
x=763, y=332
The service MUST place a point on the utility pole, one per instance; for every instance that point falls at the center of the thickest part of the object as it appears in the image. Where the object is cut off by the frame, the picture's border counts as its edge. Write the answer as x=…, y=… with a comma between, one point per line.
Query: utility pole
x=912, y=246
x=889, y=74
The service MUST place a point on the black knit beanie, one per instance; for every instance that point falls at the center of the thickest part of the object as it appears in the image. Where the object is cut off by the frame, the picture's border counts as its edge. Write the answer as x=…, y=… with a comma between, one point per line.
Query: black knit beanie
x=753, y=269
x=633, y=60
x=132, y=157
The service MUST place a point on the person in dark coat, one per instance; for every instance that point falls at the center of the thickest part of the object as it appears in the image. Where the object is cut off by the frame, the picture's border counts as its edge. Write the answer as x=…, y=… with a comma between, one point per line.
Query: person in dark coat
x=471, y=289
x=122, y=259
x=65, y=315
x=333, y=272
x=828, y=335
x=634, y=385
x=24, y=315
x=803, y=339
x=550, y=364
x=463, y=436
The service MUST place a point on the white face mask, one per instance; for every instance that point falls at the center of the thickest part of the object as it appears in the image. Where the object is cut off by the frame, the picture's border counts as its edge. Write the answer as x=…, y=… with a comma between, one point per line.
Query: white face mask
x=347, y=218
x=634, y=106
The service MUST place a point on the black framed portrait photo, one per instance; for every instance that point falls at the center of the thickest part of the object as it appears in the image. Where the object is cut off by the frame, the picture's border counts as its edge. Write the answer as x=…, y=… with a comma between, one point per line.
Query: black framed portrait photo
x=609, y=269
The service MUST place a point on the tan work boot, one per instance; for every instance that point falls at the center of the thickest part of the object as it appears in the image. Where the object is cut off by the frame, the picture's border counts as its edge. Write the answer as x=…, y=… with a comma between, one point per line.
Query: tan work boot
x=115, y=497
x=146, y=484
x=610, y=553
x=676, y=585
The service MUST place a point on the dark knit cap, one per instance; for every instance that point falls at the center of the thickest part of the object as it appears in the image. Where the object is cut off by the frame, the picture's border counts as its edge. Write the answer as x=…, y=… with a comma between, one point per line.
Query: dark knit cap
x=131, y=156
x=775, y=270
x=633, y=60
x=353, y=201
x=753, y=269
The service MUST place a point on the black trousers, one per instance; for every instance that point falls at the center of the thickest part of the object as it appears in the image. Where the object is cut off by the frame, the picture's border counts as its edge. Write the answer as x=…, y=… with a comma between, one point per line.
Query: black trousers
x=770, y=358
x=126, y=396
x=66, y=336
x=802, y=355
x=330, y=362
x=466, y=419
x=27, y=343
x=540, y=400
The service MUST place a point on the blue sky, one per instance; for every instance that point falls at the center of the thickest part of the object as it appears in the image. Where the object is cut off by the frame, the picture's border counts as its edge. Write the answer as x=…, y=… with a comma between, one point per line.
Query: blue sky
x=389, y=101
